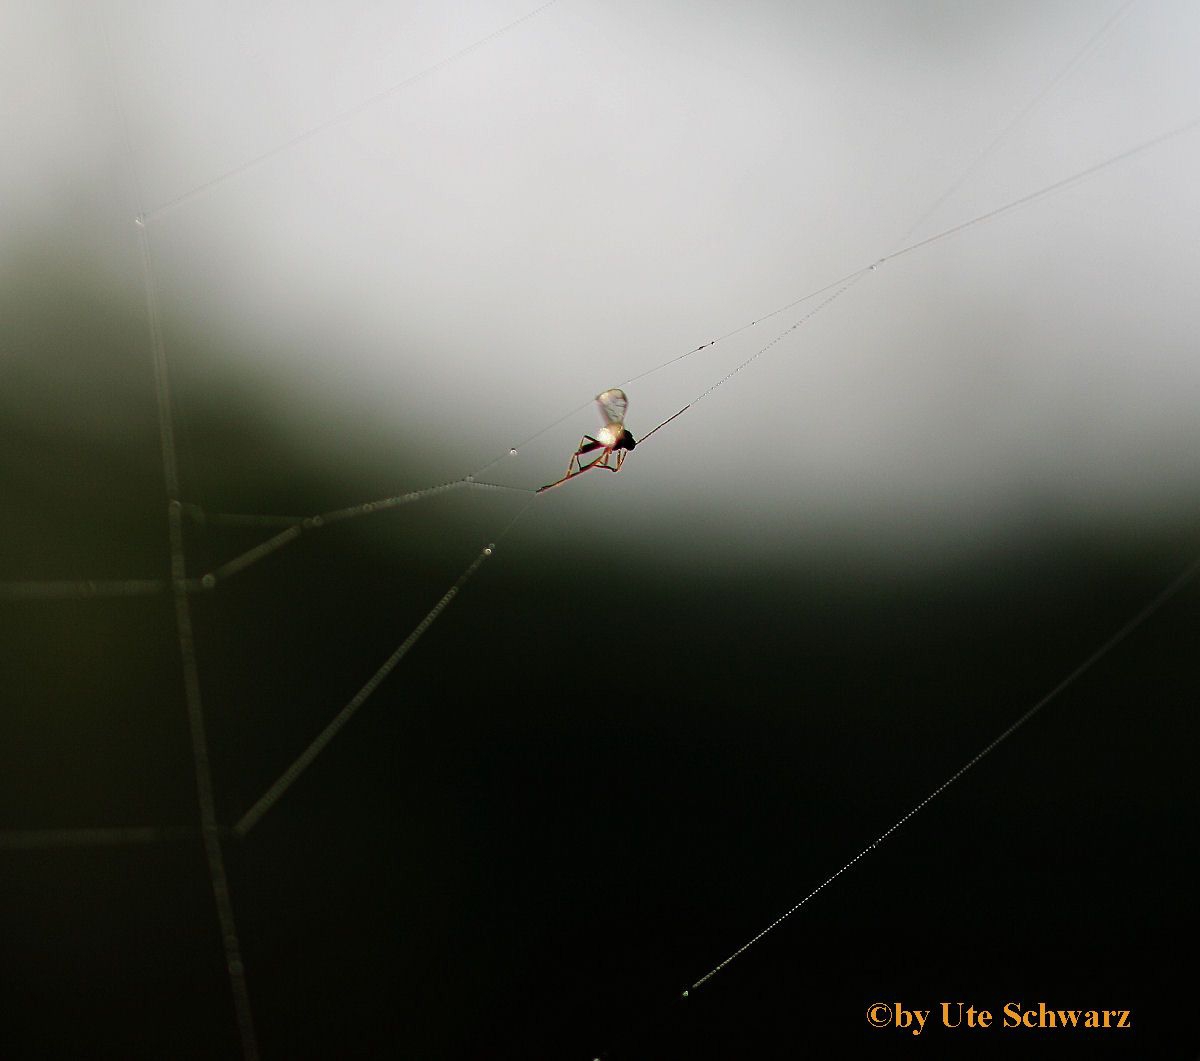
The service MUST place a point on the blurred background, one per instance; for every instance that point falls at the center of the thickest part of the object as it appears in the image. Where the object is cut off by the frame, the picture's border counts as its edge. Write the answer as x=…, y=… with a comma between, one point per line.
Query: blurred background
x=676, y=699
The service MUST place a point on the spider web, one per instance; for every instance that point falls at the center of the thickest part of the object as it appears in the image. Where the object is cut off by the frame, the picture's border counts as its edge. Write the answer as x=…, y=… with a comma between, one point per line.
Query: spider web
x=180, y=587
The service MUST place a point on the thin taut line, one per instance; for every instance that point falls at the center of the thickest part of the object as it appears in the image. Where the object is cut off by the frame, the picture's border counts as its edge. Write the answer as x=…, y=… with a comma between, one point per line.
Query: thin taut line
x=302, y=762
x=296, y=525
x=1025, y=112
x=209, y=830
x=103, y=836
x=337, y=119
x=1107, y=646
x=81, y=589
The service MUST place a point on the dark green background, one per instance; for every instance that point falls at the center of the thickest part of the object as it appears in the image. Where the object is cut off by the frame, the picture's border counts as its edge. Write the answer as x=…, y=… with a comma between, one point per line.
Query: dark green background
x=596, y=776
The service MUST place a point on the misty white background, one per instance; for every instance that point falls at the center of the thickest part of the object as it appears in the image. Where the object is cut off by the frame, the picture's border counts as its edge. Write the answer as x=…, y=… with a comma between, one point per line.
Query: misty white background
x=611, y=184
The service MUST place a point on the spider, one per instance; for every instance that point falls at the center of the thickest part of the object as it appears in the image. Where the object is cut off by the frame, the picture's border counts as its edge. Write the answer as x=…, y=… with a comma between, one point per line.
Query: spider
x=613, y=439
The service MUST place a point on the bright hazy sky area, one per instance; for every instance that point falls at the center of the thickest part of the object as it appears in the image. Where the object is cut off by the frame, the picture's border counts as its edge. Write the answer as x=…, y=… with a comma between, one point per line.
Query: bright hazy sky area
x=607, y=185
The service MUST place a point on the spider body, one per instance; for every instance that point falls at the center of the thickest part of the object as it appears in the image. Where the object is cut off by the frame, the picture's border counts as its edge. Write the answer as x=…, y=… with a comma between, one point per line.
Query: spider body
x=613, y=440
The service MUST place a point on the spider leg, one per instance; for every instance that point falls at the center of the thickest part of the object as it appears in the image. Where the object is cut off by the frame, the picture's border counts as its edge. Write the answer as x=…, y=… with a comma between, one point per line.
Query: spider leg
x=575, y=465
x=599, y=462
x=606, y=461
x=586, y=445
x=573, y=472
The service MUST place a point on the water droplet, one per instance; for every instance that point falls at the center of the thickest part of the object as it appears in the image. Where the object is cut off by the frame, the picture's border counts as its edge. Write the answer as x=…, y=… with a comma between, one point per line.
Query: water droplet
x=470, y=478
x=512, y=452
x=208, y=581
